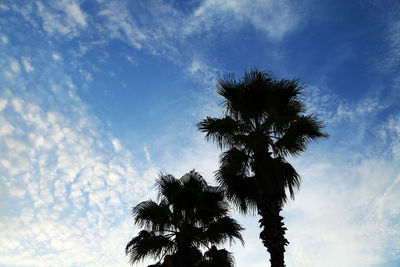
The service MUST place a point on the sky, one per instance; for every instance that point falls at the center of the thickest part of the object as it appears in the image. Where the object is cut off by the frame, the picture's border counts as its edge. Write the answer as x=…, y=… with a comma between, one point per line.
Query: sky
x=97, y=97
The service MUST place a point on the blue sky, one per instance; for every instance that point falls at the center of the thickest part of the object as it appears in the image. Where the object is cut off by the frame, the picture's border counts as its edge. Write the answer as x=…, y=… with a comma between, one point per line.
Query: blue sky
x=97, y=97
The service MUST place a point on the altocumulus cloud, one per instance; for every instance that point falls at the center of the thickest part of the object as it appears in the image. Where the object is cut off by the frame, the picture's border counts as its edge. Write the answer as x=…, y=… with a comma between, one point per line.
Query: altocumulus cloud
x=67, y=183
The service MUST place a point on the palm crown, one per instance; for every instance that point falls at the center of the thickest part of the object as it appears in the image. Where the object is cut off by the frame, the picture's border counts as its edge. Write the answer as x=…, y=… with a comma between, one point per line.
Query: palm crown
x=189, y=215
x=264, y=121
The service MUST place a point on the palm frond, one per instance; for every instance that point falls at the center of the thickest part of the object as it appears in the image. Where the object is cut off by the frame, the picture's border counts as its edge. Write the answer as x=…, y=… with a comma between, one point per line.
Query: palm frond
x=168, y=186
x=227, y=88
x=290, y=177
x=280, y=178
x=233, y=178
x=210, y=206
x=298, y=136
x=221, y=131
x=223, y=229
x=193, y=181
x=151, y=215
x=147, y=244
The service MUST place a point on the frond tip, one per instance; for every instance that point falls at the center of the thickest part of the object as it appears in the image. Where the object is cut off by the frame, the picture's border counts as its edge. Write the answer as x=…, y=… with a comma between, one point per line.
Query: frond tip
x=221, y=131
x=147, y=244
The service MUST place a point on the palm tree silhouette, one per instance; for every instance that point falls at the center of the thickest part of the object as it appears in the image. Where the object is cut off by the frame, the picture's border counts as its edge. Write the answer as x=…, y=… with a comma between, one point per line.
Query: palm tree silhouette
x=190, y=215
x=264, y=122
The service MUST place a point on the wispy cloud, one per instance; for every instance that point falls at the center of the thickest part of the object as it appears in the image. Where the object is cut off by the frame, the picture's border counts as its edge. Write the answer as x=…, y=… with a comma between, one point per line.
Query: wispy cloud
x=332, y=109
x=146, y=151
x=276, y=19
x=62, y=17
x=158, y=27
x=344, y=213
x=120, y=24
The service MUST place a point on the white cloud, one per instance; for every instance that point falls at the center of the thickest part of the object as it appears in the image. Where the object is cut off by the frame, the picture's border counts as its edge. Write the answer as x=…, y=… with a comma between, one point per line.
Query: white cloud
x=344, y=213
x=73, y=9
x=3, y=6
x=62, y=17
x=3, y=104
x=274, y=18
x=56, y=56
x=116, y=144
x=71, y=198
x=332, y=110
x=205, y=72
x=27, y=64
x=131, y=60
x=392, y=58
x=14, y=65
x=6, y=128
x=4, y=39
x=147, y=153
x=121, y=25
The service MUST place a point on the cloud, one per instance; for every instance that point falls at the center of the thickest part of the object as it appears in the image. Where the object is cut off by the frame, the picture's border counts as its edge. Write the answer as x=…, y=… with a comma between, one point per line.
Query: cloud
x=146, y=151
x=276, y=19
x=394, y=38
x=389, y=58
x=158, y=27
x=26, y=62
x=333, y=110
x=71, y=183
x=62, y=17
x=56, y=56
x=73, y=10
x=4, y=39
x=121, y=25
x=66, y=185
x=14, y=66
x=116, y=144
x=205, y=72
x=337, y=217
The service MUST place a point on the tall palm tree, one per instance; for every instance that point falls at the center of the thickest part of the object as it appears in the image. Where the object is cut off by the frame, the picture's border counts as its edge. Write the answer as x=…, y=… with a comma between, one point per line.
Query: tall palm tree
x=264, y=121
x=189, y=215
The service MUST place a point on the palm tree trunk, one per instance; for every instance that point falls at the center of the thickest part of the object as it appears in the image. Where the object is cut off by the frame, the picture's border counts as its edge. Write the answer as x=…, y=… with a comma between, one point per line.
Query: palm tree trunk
x=273, y=230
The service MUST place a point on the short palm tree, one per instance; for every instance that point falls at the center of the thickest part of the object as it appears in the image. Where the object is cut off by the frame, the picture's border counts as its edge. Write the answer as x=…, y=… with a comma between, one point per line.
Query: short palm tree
x=190, y=215
x=264, y=122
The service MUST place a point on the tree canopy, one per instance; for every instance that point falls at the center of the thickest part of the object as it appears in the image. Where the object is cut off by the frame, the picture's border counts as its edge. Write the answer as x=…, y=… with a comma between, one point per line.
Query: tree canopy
x=189, y=216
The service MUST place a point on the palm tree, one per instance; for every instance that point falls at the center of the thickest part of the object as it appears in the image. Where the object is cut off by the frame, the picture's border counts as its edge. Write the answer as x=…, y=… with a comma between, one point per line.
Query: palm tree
x=189, y=215
x=264, y=122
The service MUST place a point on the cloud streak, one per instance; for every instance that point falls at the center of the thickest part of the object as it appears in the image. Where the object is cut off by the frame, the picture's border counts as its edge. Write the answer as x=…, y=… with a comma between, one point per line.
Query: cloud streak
x=276, y=19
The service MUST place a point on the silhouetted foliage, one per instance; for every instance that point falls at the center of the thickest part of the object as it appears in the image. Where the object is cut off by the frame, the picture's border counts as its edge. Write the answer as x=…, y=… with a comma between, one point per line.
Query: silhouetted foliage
x=263, y=122
x=188, y=216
